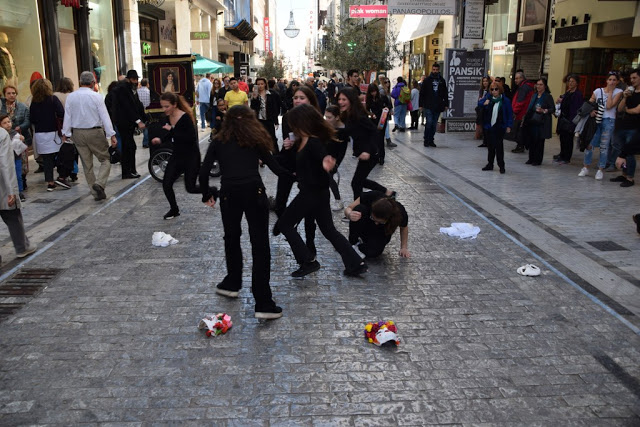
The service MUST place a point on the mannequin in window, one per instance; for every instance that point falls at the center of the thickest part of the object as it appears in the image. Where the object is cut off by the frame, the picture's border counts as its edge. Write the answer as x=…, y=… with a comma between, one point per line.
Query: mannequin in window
x=8, y=74
x=95, y=61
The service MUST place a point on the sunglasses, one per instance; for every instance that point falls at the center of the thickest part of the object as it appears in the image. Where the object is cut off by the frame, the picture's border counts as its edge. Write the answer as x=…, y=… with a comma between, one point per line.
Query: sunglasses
x=495, y=89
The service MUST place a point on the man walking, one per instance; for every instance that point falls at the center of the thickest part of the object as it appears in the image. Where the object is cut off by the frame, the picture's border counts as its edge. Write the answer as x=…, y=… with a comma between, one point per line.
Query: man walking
x=87, y=121
x=520, y=103
x=353, y=80
x=129, y=114
x=145, y=99
x=434, y=99
x=203, y=96
x=235, y=96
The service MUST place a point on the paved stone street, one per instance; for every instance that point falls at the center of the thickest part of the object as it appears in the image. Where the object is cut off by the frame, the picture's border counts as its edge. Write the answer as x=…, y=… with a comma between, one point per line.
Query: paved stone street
x=112, y=338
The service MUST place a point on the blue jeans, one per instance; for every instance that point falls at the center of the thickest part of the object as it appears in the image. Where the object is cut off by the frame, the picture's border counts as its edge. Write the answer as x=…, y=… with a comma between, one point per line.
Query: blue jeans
x=432, y=121
x=19, y=173
x=204, y=106
x=400, y=115
x=602, y=139
x=386, y=131
x=145, y=137
x=621, y=138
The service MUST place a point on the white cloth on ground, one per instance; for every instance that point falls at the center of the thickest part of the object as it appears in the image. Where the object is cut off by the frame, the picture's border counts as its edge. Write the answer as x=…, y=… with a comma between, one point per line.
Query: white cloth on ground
x=462, y=230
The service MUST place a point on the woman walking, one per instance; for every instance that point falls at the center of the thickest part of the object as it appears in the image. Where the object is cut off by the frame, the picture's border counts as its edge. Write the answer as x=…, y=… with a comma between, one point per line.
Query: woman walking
x=238, y=149
x=607, y=99
x=415, y=105
x=363, y=133
x=182, y=133
x=484, y=91
x=19, y=114
x=267, y=108
x=537, y=121
x=497, y=117
x=312, y=166
x=375, y=103
x=570, y=102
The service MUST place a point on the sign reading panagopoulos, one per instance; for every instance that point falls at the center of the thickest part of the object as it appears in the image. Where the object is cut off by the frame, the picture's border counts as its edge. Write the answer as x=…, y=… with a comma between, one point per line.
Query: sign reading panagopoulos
x=422, y=7
x=368, y=11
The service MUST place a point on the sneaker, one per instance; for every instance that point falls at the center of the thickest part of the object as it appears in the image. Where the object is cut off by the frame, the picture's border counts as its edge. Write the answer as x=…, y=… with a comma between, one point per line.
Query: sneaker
x=585, y=172
x=171, y=214
x=73, y=177
x=619, y=178
x=345, y=219
x=626, y=183
x=100, y=194
x=337, y=205
x=503, y=171
x=401, y=129
x=388, y=140
x=274, y=312
x=599, y=175
x=306, y=268
x=51, y=187
x=356, y=248
x=556, y=157
x=22, y=198
x=391, y=144
x=62, y=183
x=488, y=168
x=31, y=249
x=362, y=268
x=432, y=144
x=220, y=290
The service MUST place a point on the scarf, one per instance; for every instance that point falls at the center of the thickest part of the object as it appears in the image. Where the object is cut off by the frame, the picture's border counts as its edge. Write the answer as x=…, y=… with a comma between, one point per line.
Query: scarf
x=497, y=104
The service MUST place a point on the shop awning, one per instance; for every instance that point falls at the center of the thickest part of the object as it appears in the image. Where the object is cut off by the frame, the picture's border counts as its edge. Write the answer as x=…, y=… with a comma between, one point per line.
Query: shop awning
x=242, y=30
x=416, y=26
x=205, y=65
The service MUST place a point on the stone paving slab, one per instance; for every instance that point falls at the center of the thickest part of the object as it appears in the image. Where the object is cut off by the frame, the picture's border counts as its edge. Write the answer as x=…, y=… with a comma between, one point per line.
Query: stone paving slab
x=113, y=339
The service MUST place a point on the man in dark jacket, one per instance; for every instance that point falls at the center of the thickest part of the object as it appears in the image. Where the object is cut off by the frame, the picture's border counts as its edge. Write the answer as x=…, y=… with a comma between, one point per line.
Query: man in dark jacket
x=128, y=114
x=434, y=99
x=520, y=103
x=331, y=89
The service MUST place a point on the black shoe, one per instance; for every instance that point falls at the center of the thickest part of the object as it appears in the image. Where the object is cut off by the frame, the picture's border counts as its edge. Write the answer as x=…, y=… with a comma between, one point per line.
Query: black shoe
x=391, y=144
x=100, y=194
x=626, y=183
x=402, y=129
x=221, y=290
x=619, y=178
x=361, y=269
x=73, y=177
x=502, y=170
x=130, y=176
x=381, y=161
x=171, y=214
x=306, y=268
x=636, y=219
x=483, y=145
x=395, y=129
x=425, y=143
x=528, y=162
x=136, y=174
x=556, y=157
x=518, y=149
x=536, y=164
x=388, y=140
x=271, y=313
x=22, y=198
x=432, y=144
x=488, y=168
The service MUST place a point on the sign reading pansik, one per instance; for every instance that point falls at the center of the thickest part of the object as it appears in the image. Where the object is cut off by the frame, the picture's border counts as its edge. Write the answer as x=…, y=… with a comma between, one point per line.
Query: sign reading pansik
x=463, y=71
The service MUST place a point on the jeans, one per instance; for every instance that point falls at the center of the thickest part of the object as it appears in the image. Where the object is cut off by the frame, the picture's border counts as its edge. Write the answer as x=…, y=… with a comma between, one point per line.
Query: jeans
x=19, y=174
x=432, y=121
x=601, y=139
x=400, y=115
x=145, y=137
x=386, y=131
x=621, y=138
x=204, y=106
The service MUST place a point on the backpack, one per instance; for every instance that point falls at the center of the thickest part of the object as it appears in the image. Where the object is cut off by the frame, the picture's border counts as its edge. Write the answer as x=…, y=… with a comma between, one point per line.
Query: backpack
x=405, y=95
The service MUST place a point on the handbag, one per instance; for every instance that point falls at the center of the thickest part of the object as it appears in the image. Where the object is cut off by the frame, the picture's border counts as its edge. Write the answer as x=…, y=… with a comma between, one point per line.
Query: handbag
x=536, y=118
x=565, y=125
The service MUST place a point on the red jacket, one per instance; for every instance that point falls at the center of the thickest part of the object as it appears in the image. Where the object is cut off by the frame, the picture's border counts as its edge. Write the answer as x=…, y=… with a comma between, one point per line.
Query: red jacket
x=243, y=86
x=521, y=99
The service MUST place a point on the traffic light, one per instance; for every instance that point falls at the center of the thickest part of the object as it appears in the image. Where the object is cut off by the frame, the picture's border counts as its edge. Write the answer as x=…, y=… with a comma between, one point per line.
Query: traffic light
x=351, y=46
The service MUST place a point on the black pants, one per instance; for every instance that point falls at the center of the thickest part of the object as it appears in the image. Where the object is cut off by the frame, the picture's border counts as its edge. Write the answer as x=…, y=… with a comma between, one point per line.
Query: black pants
x=333, y=184
x=495, y=142
x=536, y=150
x=316, y=204
x=372, y=235
x=176, y=166
x=360, y=180
x=380, y=143
x=48, y=162
x=271, y=128
x=128, y=160
x=415, y=118
x=566, y=146
x=250, y=200
x=283, y=190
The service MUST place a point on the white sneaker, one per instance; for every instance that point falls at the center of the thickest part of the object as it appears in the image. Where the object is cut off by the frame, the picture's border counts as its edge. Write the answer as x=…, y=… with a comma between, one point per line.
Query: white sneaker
x=337, y=205
x=358, y=251
x=585, y=172
x=599, y=175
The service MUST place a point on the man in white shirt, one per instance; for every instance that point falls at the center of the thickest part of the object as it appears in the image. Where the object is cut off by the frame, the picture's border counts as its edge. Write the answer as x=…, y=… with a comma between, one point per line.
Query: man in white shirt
x=203, y=98
x=144, y=95
x=87, y=121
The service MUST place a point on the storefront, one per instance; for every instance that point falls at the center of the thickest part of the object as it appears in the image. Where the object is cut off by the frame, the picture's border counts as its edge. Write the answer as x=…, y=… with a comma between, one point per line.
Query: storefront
x=500, y=20
x=425, y=37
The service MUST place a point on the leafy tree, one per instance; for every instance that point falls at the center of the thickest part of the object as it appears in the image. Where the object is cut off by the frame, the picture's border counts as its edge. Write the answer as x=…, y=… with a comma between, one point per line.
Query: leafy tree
x=273, y=67
x=356, y=44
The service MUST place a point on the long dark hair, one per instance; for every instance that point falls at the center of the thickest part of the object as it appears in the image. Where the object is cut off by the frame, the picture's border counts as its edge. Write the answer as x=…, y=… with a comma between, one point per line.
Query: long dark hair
x=308, y=120
x=178, y=100
x=310, y=94
x=388, y=209
x=370, y=98
x=240, y=124
x=356, y=110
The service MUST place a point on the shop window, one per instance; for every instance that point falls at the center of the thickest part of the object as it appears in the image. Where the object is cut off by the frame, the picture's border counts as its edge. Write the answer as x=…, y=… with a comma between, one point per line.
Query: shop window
x=20, y=44
x=103, y=53
x=147, y=32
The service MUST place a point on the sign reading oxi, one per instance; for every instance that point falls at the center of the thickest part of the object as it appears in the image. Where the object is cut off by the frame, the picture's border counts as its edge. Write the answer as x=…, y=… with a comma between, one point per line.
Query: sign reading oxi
x=422, y=7
x=367, y=11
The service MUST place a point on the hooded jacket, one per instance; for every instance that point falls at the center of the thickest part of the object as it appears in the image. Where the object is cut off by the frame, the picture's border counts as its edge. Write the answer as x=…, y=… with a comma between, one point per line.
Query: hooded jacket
x=521, y=99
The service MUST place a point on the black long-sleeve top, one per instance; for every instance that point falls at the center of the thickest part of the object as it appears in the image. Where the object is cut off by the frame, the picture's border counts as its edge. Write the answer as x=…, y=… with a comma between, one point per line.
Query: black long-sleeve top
x=309, y=171
x=363, y=133
x=238, y=167
x=183, y=136
x=44, y=115
x=272, y=105
x=377, y=105
x=337, y=149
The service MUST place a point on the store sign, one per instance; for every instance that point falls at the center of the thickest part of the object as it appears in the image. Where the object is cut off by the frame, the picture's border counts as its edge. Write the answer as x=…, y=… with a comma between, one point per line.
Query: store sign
x=499, y=48
x=366, y=11
x=71, y=3
x=459, y=126
x=463, y=72
x=473, y=19
x=422, y=7
x=571, y=34
x=267, y=35
x=200, y=35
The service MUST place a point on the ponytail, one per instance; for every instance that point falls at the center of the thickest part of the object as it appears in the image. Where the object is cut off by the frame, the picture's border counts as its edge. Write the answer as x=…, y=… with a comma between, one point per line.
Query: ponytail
x=388, y=209
x=180, y=102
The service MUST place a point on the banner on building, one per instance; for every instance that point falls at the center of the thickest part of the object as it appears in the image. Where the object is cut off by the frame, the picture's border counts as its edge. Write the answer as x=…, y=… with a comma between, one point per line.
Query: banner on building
x=422, y=7
x=368, y=11
x=473, y=19
x=463, y=72
x=267, y=35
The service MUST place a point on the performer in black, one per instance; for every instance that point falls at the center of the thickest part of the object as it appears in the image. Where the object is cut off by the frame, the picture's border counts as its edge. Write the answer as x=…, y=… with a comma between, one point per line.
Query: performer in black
x=241, y=143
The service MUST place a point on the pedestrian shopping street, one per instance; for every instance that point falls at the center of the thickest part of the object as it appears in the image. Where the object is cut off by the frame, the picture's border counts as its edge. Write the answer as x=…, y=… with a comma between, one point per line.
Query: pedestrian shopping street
x=111, y=336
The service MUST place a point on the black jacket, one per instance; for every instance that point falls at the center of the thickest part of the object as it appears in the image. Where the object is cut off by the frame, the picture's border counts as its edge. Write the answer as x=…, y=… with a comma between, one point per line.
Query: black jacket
x=273, y=106
x=126, y=106
x=432, y=100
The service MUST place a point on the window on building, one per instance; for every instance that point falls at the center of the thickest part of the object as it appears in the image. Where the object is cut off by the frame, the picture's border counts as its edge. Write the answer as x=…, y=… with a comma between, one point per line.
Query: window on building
x=147, y=30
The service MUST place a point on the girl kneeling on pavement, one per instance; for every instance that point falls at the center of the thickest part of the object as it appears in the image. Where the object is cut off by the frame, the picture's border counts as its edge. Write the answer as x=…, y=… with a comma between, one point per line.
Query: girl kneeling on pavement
x=239, y=146
x=497, y=119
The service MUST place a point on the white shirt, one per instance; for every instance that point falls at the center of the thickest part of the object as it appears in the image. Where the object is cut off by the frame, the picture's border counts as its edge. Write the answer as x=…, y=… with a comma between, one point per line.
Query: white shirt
x=601, y=99
x=204, y=90
x=85, y=109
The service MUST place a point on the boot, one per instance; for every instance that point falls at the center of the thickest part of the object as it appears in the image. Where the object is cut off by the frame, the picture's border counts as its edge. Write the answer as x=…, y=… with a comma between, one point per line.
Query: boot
x=391, y=144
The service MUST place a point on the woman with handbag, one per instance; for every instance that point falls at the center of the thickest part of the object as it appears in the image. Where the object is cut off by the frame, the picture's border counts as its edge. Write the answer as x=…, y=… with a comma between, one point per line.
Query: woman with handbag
x=46, y=113
x=497, y=116
x=482, y=92
x=537, y=121
x=607, y=99
x=570, y=103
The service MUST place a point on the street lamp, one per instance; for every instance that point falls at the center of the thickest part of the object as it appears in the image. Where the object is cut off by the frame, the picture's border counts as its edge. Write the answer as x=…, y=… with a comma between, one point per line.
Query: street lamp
x=291, y=30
